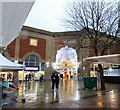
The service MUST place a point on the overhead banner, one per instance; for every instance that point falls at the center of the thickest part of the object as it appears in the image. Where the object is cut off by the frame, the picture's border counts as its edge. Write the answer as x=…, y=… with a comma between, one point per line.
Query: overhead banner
x=13, y=14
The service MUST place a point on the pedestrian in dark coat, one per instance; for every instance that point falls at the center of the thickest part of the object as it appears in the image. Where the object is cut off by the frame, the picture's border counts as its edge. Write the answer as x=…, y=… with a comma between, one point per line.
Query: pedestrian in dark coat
x=26, y=77
x=53, y=78
x=57, y=81
x=61, y=76
x=29, y=77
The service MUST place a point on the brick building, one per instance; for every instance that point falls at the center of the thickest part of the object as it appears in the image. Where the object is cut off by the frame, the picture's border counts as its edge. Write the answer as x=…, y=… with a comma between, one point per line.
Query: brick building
x=36, y=49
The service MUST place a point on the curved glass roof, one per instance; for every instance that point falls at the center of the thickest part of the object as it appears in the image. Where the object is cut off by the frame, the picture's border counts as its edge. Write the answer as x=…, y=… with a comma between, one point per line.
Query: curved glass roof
x=66, y=54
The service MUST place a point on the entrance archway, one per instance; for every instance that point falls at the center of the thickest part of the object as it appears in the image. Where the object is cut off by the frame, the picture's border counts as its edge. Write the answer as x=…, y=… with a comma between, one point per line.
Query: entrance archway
x=66, y=61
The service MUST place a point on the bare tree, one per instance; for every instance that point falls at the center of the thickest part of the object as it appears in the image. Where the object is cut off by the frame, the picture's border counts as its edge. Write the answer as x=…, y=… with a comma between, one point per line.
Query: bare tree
x=99, y=22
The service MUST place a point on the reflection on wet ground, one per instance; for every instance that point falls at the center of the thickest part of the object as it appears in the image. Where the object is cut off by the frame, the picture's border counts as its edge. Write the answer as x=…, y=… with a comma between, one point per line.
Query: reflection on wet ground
x=41, y=91
x=69, y=90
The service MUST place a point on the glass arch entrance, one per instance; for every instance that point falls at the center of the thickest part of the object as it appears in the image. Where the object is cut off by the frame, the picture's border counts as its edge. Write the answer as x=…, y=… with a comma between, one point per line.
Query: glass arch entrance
x=66, y=61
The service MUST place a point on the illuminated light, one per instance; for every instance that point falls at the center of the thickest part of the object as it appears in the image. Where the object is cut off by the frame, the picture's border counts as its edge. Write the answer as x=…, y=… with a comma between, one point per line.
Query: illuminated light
x=54, y=65
x=112, y=96
x=16, y=61
x=78, y=64
x=83, y=59
x=31, y=68
x=110, y=69
x=111, y=91
x=47, y=64
x=100, y=104
x=99, y=94
x=83, y=68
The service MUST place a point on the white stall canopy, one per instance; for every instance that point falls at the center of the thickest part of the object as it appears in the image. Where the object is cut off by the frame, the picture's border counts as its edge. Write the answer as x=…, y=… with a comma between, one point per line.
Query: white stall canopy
x=6, y=64
x=108, y=59
x=12, y=17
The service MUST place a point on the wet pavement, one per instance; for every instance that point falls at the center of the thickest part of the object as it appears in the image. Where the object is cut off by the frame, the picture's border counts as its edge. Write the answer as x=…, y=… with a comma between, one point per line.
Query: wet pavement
x=71, y=94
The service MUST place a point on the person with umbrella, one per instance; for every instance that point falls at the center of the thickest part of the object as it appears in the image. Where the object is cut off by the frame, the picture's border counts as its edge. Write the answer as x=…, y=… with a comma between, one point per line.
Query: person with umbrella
x=55, y=80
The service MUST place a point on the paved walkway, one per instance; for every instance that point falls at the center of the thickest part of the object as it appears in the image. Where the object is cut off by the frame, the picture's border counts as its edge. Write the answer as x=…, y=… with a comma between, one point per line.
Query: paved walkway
x=70, y=95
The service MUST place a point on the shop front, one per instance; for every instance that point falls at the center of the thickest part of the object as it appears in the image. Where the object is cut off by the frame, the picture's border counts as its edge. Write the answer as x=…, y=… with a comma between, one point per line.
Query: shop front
x=34, y=68
x=7, y=75
x=110, y=65
x=8, y=69
x=30, y=73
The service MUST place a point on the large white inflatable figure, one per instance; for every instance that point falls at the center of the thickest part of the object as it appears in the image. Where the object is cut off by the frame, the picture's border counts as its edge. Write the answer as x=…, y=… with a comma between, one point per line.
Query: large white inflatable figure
x=68, y=55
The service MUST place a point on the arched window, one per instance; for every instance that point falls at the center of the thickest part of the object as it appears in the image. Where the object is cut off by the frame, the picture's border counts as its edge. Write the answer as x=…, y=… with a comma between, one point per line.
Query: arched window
x=32, y=60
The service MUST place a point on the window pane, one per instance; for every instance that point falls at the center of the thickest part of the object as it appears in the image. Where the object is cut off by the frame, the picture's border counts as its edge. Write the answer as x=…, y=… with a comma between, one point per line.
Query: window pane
x=32, y=60
x=32, y=64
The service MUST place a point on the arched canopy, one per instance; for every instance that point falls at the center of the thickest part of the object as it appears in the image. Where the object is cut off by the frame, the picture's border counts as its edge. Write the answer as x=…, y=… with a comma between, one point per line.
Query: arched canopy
x=66, y=56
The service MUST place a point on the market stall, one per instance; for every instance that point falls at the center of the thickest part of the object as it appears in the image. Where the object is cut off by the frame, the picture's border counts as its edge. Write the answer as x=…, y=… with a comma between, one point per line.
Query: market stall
x=112, y=71
x=8, y=69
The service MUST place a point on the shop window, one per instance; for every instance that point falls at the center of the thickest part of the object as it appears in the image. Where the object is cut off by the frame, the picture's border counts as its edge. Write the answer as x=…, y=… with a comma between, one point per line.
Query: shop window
x=32, y=60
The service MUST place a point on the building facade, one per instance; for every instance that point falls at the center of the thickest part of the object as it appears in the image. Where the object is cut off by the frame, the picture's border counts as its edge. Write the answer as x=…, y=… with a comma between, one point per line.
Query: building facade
x=36, y=49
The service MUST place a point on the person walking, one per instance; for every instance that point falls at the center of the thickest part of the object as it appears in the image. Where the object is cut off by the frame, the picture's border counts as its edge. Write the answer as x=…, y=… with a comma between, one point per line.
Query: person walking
x=41, y=77
x=61, y=76
x=26, y=77
x=53, y=78
x=57, y=81
x=29, y=77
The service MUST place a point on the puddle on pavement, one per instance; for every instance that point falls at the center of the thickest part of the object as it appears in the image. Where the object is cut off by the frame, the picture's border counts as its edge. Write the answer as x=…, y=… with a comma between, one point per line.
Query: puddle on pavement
x=40, y=92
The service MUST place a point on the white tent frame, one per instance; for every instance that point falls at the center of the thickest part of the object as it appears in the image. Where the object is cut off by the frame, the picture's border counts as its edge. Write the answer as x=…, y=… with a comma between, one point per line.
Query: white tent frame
x=105, y=59
x=6, y=64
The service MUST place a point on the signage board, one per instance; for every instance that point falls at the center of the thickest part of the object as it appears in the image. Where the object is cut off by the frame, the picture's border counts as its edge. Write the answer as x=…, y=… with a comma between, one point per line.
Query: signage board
x=32, y=68
x=113, y=72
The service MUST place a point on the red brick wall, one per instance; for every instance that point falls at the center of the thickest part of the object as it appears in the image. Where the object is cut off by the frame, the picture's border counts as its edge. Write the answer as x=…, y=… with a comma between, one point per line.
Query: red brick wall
x=25, y=47
x=11, y=48
x=91, y=52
